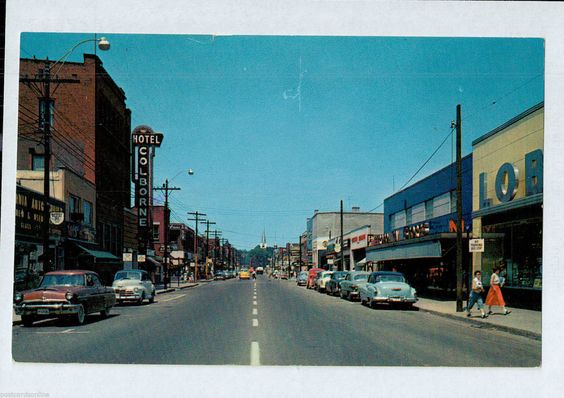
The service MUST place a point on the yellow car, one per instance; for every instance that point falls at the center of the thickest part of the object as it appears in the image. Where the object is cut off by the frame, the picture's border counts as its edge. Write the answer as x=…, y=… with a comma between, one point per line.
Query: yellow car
x=244, y=274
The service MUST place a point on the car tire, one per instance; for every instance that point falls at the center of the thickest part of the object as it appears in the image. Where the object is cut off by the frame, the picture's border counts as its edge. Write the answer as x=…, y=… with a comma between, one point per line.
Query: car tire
x=141, y=299
x=152, y=299
x=106, y=312
x=80, y=316
x=27, y=320
x=373, y=305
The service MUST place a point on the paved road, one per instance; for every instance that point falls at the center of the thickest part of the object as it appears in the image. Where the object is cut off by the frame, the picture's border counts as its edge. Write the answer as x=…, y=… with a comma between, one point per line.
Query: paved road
x=270, y=323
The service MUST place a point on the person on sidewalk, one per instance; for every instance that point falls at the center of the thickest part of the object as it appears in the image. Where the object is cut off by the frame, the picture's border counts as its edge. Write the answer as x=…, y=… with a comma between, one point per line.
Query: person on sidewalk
x=476, y=294
x=494, y=296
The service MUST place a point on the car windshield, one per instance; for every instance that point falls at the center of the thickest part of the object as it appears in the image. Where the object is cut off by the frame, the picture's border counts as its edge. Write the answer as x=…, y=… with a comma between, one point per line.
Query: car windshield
x=361, y=277
x=128, y=275
x=390, y=278
x=62, y=280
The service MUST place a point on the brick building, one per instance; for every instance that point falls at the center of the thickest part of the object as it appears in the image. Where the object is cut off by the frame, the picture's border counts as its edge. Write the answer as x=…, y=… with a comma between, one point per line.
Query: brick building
x=90, y=127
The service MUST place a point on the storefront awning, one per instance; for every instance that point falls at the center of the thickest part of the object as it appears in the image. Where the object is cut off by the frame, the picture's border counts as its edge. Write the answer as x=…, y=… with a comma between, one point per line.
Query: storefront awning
x=363, y=261
x=429, y=249
x=99, y=254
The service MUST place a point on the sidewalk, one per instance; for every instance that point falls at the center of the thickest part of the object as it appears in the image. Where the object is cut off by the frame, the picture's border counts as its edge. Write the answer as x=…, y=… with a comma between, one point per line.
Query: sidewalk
x=522, y=322
x=16, y=319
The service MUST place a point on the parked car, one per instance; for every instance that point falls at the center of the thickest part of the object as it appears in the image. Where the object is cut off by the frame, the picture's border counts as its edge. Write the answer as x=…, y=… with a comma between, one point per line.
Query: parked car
x=244, y=273
x=282, y=275
x=311, y=277
x=220, y=275
x=133, y=286
x=385, y=287
x=332, y=286
x=321, y=280
x=260, y=270
x=65, y=294
x=302, y=278
x=350, y=285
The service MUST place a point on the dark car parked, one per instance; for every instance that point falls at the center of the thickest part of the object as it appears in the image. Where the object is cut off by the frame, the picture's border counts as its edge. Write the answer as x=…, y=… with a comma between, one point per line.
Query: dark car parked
x=333, y=286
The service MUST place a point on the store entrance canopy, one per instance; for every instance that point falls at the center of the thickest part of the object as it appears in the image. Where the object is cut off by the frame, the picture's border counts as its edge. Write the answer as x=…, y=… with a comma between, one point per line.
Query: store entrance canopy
x=430, y=249
x=99, y=254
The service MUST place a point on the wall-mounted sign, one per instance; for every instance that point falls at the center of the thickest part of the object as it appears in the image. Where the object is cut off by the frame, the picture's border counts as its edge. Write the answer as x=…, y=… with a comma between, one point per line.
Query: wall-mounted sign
x=57, y=217
x=29, y=213
x=476, y=245
x=141, y=258
x=507, y=180
x=144, y=139
x=127, y=257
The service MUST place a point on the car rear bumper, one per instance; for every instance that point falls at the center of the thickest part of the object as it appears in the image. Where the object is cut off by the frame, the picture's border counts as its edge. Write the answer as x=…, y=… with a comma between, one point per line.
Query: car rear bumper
x=392, y=300
x=46, y=309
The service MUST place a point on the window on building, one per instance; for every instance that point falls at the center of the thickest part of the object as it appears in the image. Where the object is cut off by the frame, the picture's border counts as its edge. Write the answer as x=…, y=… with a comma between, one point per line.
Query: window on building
x=408, y=216
x=37, y=162
x=107, y=236
x=418, y=213
x=398, y=220
x=441, y=205
x=156, y=235
x=74, y=207
x=114, y=240
x=87, y=206
x=429, y=209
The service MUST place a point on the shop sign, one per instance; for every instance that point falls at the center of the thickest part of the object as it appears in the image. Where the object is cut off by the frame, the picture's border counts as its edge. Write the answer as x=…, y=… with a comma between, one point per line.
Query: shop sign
x=127, y=257
x=57, y=217
x=29, y=213
x=416, y=231
x=507, y=180
x=144, y=139
x=476, y=245
x=359, y=241
x=141, y=258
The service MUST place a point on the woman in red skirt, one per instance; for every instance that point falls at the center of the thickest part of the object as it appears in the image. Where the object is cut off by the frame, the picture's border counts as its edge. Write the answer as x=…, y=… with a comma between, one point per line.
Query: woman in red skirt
x=494, y=296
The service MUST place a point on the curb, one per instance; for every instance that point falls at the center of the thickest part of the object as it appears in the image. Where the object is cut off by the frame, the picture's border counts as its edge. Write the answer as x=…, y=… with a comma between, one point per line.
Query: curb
x=508, y=329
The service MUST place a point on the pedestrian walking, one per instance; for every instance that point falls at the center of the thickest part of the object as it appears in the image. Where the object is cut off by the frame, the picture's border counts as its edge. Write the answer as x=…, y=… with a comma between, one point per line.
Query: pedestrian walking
x=494, y=296
x=476, y=295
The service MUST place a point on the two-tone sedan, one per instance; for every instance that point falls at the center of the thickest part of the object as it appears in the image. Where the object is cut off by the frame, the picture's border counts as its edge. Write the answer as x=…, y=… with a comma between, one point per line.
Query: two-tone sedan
x=351, y=284
x=65, y=294
x=302, y=278
x=133, y=286
x=385, y=287
x=332, y=286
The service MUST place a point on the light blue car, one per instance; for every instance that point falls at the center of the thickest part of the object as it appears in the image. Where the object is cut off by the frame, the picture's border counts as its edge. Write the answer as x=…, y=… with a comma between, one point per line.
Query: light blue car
x=384, y=287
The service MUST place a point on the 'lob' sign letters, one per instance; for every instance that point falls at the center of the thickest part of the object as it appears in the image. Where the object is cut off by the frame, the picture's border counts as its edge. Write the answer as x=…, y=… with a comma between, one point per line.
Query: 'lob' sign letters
x=143, y=139
x=507, y=180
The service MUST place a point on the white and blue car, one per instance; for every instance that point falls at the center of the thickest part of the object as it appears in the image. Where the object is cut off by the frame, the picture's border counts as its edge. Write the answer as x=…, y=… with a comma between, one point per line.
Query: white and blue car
x=385, y=287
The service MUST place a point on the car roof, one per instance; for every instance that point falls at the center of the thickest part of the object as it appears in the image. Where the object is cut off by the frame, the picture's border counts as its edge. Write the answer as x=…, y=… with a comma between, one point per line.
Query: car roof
x=387, y=273
x=71, y=272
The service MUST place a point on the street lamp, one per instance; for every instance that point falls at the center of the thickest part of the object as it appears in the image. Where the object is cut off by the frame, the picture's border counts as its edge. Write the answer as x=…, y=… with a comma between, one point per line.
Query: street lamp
x=46, y=104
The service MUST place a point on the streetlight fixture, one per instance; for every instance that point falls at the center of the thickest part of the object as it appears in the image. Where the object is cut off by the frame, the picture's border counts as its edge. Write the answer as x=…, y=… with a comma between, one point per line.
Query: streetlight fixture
x=46, y=103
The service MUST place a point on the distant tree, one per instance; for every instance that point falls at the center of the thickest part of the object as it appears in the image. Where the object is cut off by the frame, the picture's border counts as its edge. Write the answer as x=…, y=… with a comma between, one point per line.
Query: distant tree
x=259, y=257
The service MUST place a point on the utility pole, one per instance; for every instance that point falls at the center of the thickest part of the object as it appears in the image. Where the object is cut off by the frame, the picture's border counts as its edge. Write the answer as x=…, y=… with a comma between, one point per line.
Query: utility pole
x=216, y=234
x=165, y=188
x=459, y=266
x=289, y=249
x=197, y=219
x=221, y=250
x=208, y=223
x=46, y=106
x=342, y=243
x=300, y=258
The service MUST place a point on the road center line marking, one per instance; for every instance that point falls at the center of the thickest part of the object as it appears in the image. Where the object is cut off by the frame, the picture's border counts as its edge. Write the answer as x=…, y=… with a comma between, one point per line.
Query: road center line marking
x=254, y=297
x=255, y=311
x=255, y=354
x=254, y=302
x=174, y=298
x=255, y=322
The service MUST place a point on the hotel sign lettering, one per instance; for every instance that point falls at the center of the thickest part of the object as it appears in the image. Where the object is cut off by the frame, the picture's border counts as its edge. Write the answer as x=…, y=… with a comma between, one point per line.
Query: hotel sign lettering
x=144, y=139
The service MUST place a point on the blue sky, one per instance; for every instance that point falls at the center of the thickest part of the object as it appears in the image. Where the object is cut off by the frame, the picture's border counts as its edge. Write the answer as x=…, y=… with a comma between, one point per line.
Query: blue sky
x=270, y=142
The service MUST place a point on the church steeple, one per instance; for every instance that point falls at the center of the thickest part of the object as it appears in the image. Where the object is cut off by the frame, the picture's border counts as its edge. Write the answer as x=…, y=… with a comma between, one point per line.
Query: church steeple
x=263, y=244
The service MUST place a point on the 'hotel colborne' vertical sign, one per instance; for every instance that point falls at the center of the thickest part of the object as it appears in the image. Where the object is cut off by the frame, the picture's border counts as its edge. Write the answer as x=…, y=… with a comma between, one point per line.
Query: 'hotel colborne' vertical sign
x=144, y=139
